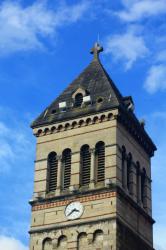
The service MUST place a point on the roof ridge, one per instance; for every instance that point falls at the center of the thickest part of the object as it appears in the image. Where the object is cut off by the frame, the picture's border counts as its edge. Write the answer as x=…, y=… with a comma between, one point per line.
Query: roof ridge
x=120, y=96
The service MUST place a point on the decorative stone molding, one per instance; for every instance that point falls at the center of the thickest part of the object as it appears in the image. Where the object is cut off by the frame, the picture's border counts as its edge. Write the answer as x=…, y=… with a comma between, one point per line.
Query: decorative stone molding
x=75, y=124
x=136, y=131
x=88, y=198
x=79, y=90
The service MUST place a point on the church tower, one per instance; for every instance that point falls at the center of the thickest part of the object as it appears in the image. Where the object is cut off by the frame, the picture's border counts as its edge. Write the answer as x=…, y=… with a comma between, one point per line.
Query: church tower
x=92, y=187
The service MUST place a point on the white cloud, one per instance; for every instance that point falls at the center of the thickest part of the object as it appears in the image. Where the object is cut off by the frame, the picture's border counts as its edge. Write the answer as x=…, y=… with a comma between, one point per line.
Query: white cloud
x=16, y=156
x=161, y=56
x=3, y=129
x=138, y=9
x=131, y=46
x=9, y=243
x=156, y=79
x=22, y=28
x=14, y=141
x=127, y=47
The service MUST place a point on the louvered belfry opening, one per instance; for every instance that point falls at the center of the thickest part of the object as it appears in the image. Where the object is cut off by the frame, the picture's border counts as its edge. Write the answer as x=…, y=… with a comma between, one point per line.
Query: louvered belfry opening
x=129, y=162
x=143, y=176
x=85, y=165
x=66, y=164
x=137, y=180
x=123, y=165
x=78, y=100
x=100, y=161
x=52, y=171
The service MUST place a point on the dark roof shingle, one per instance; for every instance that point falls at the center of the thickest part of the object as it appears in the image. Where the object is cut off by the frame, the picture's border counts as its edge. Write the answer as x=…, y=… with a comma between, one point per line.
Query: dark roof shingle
x=95, y=80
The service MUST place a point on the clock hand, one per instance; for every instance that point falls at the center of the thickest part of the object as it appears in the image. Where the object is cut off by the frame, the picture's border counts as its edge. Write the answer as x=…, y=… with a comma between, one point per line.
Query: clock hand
x=74, y=210
x=70, y=213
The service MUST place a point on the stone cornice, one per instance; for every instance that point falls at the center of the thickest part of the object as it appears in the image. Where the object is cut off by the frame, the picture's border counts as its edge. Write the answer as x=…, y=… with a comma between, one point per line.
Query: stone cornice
x=72, y=196
x=76, y=123
x=55, y=226
x=129, y=199
x=101, y=193
x=132, y=125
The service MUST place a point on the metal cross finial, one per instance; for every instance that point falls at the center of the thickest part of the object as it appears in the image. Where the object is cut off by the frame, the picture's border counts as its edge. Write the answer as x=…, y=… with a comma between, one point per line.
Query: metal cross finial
x=96, y=50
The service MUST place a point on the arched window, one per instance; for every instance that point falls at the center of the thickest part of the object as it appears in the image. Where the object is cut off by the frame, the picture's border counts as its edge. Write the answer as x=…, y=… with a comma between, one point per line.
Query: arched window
x=52, y=171
x=143, y=179
x=85, y=165
x=66, y=168
x=82, y=241
x=123, y=165
x=62, y=243
x=98, y=239
x=100, y=161
x=78, y=100
x=47, y=244
x=129, y=162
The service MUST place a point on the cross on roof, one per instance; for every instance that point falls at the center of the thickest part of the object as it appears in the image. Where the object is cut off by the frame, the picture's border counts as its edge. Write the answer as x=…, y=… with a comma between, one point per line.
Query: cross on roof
x=96, y=51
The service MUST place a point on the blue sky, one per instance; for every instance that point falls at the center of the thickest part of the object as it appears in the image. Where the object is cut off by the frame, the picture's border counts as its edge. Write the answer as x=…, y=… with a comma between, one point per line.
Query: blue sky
x=44, y=45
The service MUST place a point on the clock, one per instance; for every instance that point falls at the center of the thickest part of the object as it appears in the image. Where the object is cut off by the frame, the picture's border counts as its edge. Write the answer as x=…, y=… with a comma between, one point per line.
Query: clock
x=74, y=210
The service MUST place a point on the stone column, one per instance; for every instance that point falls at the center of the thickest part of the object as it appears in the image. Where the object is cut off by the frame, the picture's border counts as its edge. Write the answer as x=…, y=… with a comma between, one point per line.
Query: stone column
x=75, y=171
x=92, y=170
x=59, y=175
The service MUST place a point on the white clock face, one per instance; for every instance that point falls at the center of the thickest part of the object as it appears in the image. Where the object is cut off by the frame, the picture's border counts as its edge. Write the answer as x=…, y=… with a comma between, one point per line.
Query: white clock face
x=74, y=210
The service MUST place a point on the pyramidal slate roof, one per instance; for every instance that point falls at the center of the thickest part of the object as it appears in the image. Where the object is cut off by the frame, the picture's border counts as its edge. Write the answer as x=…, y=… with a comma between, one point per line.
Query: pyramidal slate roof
x=97, y=83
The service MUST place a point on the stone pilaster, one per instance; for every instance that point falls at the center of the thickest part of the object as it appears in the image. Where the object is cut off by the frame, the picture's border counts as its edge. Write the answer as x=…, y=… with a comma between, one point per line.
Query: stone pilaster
x=75, y=171
x=59, y=175
x=92, y=170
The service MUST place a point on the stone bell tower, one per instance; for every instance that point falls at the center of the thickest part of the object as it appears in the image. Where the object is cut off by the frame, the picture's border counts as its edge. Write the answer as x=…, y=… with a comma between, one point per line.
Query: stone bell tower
x=92, y=187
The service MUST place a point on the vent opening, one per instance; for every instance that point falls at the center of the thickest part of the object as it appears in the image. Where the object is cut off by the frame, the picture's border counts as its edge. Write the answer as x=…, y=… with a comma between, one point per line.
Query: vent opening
x=100, y=161
x=66, y=160
x=85, y=165
x=52, y=171
x=78, y=100
x=100, y=100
